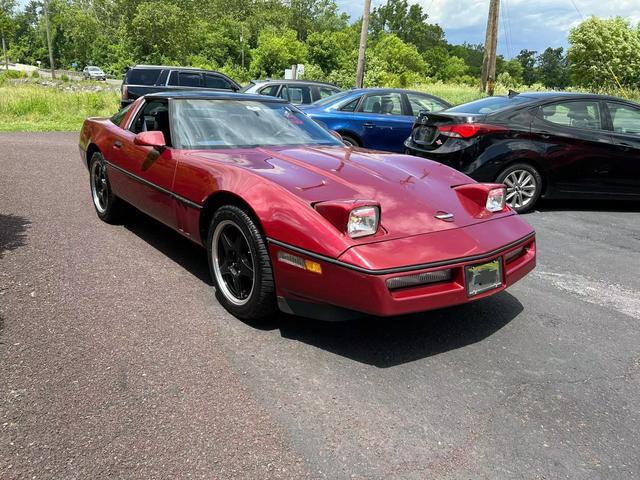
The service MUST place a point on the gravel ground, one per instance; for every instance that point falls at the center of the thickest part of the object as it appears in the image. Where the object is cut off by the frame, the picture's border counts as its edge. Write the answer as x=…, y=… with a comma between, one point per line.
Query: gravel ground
x=117, y=362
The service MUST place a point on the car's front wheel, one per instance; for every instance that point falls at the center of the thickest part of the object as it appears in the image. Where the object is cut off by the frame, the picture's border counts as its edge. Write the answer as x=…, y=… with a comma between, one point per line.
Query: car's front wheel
x=240, y=265
x=524, y=186
x=108, y=207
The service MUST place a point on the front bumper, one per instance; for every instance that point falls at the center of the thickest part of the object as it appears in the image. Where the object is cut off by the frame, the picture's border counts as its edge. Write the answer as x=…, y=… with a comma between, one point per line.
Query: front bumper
x=367, y=291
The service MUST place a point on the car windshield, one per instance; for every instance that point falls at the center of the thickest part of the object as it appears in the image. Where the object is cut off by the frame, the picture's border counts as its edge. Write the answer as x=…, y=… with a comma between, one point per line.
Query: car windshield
x=94, y=69
x=219, y=123
x=330, y=99
x=490, y=104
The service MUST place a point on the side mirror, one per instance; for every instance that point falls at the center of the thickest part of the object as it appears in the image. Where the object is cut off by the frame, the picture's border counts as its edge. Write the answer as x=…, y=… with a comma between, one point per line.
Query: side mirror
x=336, y=134
x=154, y=138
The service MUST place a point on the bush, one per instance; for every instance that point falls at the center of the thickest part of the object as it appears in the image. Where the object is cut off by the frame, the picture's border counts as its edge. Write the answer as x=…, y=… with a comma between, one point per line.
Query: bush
x=64, y=77
x=35, y=74
x=14, y=74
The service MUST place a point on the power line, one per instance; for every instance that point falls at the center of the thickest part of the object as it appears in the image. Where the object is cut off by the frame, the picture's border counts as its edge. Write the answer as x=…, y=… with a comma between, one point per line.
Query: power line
x=577, y=9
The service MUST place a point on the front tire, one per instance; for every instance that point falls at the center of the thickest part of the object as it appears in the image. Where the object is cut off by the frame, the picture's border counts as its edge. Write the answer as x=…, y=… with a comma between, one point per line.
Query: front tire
x=109, y=208
x=240, y=265
x=524, y=186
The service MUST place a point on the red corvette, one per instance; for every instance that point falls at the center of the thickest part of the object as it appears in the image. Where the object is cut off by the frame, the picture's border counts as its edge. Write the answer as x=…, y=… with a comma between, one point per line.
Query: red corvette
x=292, y=218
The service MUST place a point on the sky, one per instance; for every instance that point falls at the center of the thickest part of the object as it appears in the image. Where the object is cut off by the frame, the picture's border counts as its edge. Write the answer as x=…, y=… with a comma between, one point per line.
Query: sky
x=530, y=24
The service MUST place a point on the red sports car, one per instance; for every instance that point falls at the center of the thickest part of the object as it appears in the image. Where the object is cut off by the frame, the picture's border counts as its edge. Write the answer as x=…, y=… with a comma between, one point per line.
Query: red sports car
x=293, y=219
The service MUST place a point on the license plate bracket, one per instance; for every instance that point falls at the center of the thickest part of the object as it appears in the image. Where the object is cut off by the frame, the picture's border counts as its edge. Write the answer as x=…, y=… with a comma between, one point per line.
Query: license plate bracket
x=482, y=277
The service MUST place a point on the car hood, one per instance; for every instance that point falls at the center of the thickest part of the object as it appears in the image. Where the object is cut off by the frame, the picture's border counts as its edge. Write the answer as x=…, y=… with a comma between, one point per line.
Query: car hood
x=410, y=190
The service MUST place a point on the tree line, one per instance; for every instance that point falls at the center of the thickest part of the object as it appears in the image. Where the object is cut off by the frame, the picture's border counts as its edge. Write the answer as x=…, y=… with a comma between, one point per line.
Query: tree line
x=257, y=38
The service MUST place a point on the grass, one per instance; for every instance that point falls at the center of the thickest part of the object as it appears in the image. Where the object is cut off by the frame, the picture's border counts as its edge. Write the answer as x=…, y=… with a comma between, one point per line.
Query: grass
x=31, y=107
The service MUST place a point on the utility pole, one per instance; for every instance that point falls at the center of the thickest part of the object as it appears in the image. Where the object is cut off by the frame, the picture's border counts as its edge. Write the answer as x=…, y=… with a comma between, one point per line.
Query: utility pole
x=48, y=27
x=363, y=44
x=4, y=52
x=488, y=79
x=242, y=43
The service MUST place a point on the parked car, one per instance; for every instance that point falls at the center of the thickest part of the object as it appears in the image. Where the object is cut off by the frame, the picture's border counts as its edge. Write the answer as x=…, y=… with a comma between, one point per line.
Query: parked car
x=549, y=145
x=374, y=118
x=93, y=73
x=143, y=79
x=292, y=218
x=297, y=92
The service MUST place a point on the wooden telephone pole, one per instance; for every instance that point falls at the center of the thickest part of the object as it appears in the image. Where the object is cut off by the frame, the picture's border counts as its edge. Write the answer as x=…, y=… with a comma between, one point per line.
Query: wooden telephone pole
x=363, y=44
x=490, y=45
x=48, y=27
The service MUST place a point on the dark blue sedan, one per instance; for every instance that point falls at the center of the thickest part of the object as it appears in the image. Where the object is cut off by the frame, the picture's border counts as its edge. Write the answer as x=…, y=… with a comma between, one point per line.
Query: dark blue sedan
x=376, y=118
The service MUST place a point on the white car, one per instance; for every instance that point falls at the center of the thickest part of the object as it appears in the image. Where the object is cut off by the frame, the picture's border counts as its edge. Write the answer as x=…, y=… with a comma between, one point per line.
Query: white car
x=93, y=73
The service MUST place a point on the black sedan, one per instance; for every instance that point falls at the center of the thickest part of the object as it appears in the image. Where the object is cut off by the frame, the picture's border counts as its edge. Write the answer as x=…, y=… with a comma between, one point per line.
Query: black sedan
x=550, y=145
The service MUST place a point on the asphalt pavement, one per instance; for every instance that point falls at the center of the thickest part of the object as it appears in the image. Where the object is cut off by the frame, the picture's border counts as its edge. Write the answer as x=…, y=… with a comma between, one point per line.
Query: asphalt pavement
x=116, y=361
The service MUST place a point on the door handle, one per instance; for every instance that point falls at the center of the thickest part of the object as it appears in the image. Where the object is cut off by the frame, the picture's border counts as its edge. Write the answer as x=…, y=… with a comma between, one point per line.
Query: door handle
x=117, y=144
x=369, y=125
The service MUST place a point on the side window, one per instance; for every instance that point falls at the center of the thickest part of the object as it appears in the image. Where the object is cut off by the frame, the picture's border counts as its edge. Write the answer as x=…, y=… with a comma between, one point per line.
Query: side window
x=327, y=92
x=215, y=81
x=573, y=114
x=351, y=106
x=385, y=104
x=424, y=102
x=625, y=119
x=153, y=116
x=185, y=79
x=299, y=94
x=271, y=90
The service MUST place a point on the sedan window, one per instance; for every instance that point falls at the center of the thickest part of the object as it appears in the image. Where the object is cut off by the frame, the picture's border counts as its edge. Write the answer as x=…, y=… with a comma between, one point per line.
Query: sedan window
x=384, y=104
x=625, y=119
x=424, y=102
x=573, y=114
x=327, y=92
x=298, y=94
x=271, y=90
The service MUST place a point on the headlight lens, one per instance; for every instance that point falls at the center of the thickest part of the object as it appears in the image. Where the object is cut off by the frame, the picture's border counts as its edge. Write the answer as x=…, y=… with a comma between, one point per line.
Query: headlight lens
x=496, y=199
x=363, y=221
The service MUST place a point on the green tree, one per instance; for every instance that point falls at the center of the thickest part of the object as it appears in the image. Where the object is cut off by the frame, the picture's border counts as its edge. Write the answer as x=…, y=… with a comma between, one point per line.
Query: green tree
x=515, y=70
x=407, y=22
x=399, y=57
x=276, y=51
x=602, y=50
x=452, y=70
x=553, y=69
x=527, y=59
x=161, y=32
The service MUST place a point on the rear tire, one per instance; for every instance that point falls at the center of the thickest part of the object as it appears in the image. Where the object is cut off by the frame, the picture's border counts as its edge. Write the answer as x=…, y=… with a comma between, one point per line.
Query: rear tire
x=110, y=209
x=349, y=141
x=240, y=265
x=524, y=186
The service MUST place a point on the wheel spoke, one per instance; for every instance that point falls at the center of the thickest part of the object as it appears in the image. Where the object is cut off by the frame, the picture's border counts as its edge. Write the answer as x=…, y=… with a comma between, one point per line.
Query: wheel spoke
x=227, y=246
x=246, y=269
x=510, y=195
x=508, y=181
x=521, y=177
x=237, y=285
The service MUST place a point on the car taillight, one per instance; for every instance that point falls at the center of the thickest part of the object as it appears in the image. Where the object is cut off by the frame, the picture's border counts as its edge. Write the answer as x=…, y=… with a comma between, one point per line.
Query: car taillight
x=469, y=130
x=125, y=92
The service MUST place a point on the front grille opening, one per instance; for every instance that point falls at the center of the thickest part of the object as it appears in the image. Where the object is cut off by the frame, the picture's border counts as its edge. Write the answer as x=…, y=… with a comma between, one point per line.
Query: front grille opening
x=429, y=278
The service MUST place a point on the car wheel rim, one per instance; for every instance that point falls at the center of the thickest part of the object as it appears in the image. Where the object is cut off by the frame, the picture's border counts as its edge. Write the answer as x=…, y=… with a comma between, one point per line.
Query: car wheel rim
x=233, y=263
x=99, y=186
x=348, y=142
x=521, y=188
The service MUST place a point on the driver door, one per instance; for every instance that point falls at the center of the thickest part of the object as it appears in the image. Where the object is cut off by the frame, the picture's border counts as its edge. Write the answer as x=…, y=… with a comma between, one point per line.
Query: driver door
x=146, y=174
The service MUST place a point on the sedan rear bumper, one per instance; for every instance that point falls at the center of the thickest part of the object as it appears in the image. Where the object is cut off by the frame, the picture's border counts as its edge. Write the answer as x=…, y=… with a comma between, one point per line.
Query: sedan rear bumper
x=369, y=292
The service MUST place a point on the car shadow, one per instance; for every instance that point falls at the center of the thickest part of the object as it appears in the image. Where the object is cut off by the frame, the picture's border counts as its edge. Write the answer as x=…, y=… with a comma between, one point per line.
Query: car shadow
x=587, y=206
x=181, y=250
x=381, y=342
x=390, y=341
x=13, y=232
